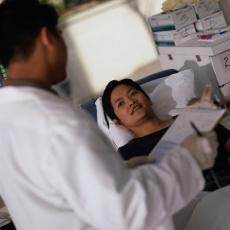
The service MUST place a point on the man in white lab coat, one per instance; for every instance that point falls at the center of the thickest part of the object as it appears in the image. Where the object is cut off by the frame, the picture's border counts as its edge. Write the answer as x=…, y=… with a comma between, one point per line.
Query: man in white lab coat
x=56, y=170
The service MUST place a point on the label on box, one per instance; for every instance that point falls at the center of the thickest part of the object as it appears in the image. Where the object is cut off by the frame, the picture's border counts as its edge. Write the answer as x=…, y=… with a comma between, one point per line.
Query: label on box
x=213, y=21
x=221, y=66
x=184, y=17
x=163, y=36
x=174, y=20
x=174, y=34
x=161, y=20
x=185, y=39
x=184, y=32
x=225, y=61
x=206, y=7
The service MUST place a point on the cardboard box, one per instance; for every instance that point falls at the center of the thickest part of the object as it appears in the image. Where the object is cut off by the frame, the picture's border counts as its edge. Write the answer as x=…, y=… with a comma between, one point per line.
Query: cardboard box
x=213, y=21
x=175, y=37
x=174, y=20
x=206, y=7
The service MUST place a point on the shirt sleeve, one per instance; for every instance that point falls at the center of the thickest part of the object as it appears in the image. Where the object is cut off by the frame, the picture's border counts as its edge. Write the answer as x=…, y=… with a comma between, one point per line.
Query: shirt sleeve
x=90, y=175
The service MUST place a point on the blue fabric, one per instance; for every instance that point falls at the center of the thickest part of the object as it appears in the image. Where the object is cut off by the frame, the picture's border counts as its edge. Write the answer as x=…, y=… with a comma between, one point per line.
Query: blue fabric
x=90, y=107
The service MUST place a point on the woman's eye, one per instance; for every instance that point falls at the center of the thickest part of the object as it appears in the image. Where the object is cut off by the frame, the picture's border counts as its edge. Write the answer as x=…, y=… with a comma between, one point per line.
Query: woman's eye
x=121, y=103
x=134, y=92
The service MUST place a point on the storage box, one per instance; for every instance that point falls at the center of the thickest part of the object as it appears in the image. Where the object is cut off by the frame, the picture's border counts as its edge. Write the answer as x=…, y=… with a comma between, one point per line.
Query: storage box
x=213, y=21
x=175, y=20
x=221, y=65
x=175, y=37
x=206, y=7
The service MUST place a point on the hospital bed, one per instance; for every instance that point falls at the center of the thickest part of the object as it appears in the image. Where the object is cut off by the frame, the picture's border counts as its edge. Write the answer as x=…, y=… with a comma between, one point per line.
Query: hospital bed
x=209, y=211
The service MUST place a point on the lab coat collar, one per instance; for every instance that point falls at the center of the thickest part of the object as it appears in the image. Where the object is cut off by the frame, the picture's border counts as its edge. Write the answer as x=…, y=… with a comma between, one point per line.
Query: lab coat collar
x=28, y=83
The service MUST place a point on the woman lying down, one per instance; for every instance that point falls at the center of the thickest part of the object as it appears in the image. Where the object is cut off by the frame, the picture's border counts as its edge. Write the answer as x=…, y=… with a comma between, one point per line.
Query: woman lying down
x=127, y=104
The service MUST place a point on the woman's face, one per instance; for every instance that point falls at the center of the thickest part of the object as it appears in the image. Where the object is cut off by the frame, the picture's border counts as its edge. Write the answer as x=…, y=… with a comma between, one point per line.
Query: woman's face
x=130, y=105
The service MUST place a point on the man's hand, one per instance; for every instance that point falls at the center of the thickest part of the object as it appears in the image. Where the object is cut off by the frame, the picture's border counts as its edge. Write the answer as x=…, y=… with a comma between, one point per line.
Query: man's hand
x=203, y=149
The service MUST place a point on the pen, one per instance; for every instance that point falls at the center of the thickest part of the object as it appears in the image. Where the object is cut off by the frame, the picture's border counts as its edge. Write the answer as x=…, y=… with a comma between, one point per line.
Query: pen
x=198, y=132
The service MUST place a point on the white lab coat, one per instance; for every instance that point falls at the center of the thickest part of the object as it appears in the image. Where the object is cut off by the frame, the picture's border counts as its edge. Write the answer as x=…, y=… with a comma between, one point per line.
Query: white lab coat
x=58, y=172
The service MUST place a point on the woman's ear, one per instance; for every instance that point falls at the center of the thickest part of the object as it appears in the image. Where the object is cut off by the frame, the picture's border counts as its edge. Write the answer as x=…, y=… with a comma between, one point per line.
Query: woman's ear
x=116, y=122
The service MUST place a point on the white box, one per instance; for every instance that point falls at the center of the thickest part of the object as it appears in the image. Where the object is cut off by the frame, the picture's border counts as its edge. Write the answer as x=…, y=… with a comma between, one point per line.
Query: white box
x=221, y=65
x=206, y=7
x=175, y=37
x=213, y=21
x=174, y=20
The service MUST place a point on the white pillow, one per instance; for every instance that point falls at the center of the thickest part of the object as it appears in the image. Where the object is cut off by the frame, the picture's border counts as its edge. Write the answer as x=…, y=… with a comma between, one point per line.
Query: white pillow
x=117, y=134
x=172, y=92
x=212, y=212
x=149, y=86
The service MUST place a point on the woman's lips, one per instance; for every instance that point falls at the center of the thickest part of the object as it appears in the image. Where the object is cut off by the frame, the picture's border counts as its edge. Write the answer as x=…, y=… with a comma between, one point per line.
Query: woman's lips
x=135, y=108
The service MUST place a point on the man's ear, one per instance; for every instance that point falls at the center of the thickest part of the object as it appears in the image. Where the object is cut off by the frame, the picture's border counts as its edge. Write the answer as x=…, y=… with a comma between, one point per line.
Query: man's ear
x=46, y=38
x=116, y=122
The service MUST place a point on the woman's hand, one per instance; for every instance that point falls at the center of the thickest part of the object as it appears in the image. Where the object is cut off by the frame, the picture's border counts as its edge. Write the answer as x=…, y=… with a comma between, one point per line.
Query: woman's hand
x=205, y=102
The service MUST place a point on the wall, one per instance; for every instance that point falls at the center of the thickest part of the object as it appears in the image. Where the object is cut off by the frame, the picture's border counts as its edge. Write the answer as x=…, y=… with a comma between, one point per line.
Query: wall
x=108, y=42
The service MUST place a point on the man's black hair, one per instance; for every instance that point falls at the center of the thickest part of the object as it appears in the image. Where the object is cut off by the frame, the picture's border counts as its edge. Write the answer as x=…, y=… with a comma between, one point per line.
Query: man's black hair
x=106, y=97
x=20, y=23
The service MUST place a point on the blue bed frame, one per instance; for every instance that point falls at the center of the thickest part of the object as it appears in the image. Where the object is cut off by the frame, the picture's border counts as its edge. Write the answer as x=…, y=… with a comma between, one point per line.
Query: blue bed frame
x=90, y=106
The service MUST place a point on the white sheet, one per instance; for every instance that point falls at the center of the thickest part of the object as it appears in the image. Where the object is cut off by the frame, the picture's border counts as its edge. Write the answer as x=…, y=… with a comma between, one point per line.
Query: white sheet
x=212, y=212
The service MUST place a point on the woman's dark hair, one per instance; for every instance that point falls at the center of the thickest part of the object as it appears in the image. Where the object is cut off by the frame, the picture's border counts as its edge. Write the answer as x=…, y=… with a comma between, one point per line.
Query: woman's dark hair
x=106, y=97
x=20, y=24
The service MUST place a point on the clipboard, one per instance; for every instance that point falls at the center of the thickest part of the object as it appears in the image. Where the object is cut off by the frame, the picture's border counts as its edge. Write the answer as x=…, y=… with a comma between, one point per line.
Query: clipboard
x=204, y=119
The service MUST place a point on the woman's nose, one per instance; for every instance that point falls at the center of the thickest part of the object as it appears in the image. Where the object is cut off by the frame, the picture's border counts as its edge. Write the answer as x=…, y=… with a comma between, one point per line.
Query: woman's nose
x=132, y=101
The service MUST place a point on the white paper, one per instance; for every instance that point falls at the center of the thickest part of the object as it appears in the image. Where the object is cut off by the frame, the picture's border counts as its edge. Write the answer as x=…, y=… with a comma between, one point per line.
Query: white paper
x=204, y=119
